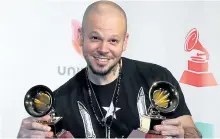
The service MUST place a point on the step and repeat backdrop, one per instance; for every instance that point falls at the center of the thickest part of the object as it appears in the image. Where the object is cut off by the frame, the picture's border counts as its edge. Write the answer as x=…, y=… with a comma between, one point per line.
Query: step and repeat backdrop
x=38, y=46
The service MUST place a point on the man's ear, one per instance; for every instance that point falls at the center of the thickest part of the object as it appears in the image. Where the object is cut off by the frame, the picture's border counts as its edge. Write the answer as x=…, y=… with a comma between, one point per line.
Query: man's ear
x=80, y=37
x=125, y=42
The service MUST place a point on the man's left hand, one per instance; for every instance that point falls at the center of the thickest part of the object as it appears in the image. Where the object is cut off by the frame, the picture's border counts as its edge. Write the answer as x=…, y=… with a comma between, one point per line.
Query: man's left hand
x=171, y=127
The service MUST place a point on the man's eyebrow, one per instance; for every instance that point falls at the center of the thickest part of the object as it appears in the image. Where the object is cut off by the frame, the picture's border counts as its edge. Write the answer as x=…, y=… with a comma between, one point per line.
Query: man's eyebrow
x=94, y=32
x=97, y=33
x=116, y=36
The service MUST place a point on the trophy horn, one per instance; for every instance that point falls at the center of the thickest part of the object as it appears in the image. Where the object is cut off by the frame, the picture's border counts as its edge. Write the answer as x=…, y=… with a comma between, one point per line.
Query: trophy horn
x=38, y=101
x=164, y=96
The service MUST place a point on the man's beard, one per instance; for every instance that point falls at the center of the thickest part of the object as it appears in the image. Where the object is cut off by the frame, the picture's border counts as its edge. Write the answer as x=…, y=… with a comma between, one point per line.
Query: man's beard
x=105, y=72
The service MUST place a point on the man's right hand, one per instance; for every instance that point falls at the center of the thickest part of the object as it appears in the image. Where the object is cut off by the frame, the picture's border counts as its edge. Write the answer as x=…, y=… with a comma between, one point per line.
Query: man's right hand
x=30, y=128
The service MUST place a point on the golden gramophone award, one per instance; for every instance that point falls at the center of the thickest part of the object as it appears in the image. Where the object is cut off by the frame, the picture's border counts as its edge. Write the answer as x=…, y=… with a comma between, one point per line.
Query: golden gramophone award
x=38, y=102
x=164, y=98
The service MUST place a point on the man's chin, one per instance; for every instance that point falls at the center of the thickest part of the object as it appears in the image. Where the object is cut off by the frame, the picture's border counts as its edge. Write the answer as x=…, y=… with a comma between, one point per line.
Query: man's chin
x=99, y=71
x=102, y=70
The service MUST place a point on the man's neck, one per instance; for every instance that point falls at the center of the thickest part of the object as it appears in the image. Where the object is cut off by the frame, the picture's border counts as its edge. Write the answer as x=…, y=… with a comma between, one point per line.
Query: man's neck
x=103, y=80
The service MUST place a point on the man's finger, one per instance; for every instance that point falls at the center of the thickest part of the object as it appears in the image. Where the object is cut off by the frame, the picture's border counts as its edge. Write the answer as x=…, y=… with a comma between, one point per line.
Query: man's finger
x=177, y=133
x=35, y=119
x=175, y=122
x=165, y=127
x=37, y=126
x=42, y=133
x=37, y=136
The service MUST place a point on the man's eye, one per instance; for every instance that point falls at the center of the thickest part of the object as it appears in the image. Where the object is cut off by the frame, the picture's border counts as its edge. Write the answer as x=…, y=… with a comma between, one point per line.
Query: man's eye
x=114, y=41
x=94, y=38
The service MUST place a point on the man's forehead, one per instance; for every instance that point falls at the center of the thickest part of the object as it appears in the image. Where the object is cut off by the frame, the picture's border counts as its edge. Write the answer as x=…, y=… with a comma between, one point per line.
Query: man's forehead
x=95, y=29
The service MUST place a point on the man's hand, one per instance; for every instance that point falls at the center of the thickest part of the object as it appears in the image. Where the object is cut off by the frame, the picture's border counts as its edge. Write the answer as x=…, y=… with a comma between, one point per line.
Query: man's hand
x=181, y=127
x=171, y=127
x=30, y=128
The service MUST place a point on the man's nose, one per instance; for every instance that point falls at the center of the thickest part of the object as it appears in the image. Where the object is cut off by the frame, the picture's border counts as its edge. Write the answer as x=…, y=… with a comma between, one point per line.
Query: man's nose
x=103, y=48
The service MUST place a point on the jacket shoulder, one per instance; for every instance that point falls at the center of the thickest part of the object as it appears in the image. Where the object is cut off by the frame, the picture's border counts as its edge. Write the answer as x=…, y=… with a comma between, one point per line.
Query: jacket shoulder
x=70, y=85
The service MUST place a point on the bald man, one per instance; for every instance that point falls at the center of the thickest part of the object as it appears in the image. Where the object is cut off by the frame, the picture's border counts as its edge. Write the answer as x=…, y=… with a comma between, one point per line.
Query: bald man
x=109, y=97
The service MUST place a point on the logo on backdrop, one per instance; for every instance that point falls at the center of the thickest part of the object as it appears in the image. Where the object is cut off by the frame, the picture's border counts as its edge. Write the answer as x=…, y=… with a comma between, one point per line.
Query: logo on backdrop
x=75, y=36
x=72, y=70
x=197, y=73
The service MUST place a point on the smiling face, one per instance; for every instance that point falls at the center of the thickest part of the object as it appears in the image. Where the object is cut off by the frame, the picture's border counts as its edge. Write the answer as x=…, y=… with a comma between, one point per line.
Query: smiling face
x=103, y=40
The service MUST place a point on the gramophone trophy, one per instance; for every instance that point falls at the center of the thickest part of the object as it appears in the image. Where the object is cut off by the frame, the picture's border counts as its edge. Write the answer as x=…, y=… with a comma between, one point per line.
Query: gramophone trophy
x=164, y=99
x=38, y=102
x=197, y=73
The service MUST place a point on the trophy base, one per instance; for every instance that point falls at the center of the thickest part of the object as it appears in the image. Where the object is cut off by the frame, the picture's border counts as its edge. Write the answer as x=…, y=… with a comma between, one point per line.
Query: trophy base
x=152, y=134
x=155, y=134
x=147, y=123
x=154, y=121
x=55, y=125
x=64, y=134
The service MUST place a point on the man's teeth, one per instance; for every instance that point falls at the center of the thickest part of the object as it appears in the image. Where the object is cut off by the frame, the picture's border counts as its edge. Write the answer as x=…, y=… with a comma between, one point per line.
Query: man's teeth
x=102, y=59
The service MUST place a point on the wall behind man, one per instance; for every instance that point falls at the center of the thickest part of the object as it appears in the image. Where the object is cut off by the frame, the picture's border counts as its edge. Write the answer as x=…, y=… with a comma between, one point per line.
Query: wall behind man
x=36, y=48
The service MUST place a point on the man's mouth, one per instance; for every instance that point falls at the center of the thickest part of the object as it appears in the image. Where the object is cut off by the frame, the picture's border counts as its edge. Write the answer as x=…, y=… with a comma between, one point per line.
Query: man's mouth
x=101, y=60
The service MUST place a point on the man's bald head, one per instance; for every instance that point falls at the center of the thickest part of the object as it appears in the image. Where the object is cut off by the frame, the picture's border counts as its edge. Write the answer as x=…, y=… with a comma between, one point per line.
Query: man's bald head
x=103, y=36
x=104, y=8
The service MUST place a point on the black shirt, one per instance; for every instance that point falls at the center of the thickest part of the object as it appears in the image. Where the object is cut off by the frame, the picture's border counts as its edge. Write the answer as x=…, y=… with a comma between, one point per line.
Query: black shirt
x=73, y=103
